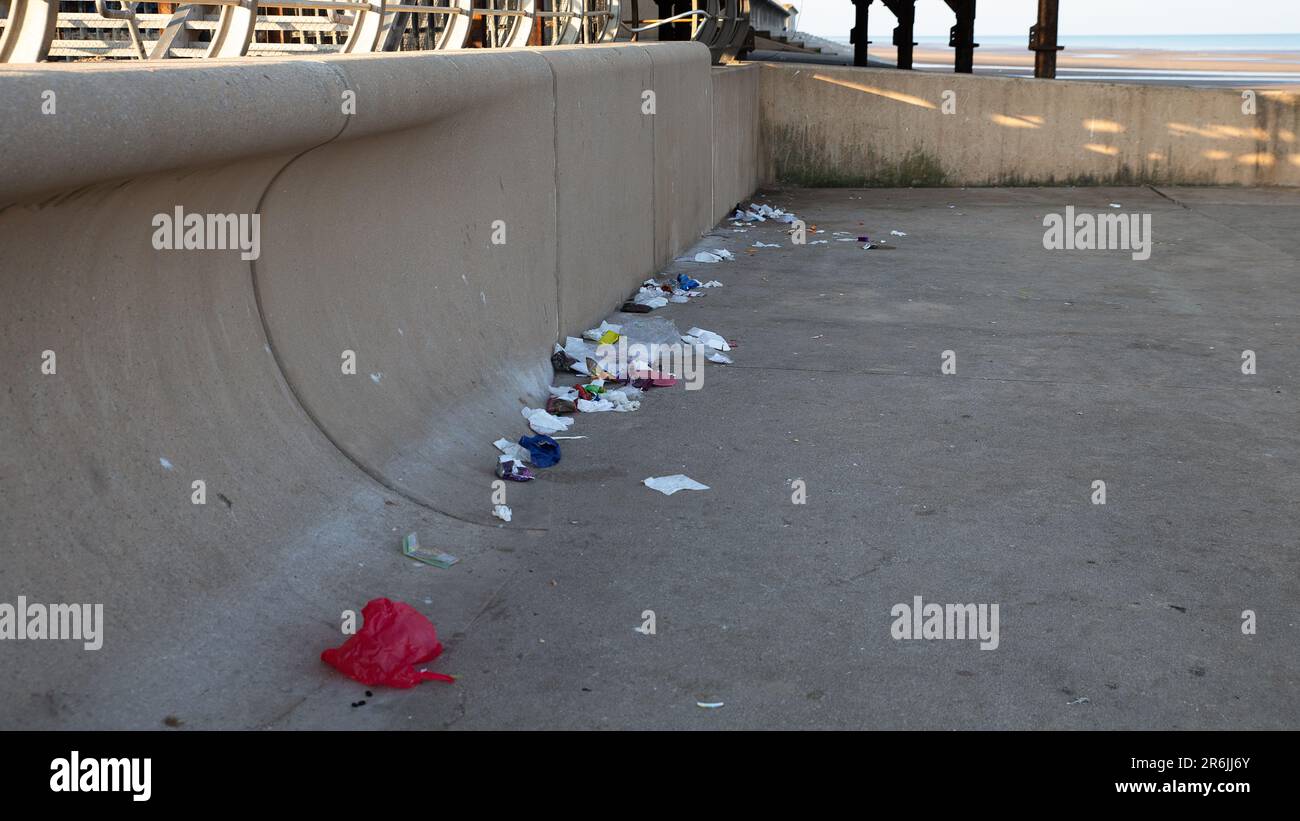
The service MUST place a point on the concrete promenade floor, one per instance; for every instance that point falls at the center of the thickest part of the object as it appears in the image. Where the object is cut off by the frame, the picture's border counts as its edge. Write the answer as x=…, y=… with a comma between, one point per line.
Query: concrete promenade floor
x=975, y=487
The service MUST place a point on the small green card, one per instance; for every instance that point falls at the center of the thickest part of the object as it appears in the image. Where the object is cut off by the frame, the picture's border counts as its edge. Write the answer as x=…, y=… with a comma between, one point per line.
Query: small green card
x=411, y=549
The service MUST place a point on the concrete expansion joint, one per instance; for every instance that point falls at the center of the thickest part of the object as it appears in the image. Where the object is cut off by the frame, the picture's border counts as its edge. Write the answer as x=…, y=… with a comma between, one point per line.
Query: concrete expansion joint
x=347, y=118
x=283, y=372
x=1174, y=200
x=555, y=196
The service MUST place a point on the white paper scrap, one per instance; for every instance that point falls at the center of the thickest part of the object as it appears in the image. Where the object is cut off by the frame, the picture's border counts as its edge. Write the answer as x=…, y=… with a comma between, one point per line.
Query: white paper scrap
x=511, y=450
x=542, y=422
x=668, y=485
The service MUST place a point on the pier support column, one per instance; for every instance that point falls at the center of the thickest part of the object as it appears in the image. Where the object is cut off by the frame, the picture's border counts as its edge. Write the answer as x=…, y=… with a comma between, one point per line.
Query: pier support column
x=905, y=11
x=858, y=34
x=1042, y=39
x=962, y=36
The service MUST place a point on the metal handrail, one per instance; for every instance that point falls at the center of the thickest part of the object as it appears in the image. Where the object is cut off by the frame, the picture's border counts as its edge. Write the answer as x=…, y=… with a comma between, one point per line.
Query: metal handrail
x=367, y=25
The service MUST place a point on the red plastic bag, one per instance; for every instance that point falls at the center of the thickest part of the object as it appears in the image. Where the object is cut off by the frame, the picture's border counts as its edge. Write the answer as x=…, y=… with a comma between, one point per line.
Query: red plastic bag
x=392, y=640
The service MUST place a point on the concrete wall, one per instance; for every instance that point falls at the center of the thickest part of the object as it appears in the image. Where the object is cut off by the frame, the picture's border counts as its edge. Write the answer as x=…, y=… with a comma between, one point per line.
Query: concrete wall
x=737, y=163
x=376, y=227
x=862, y=126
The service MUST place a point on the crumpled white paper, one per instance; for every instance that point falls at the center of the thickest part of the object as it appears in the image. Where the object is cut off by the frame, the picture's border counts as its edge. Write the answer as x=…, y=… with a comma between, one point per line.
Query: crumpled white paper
x=621, y=401
x=668, y=485
x=650, y=295
x=706, y=338
x=502, y=512
x=595, y=334
x=579, y=349
x=542, y=422
x=512, y=450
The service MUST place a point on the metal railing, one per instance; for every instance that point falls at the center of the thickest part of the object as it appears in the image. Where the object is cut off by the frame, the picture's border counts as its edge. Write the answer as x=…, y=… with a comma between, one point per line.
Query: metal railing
x=39, y=30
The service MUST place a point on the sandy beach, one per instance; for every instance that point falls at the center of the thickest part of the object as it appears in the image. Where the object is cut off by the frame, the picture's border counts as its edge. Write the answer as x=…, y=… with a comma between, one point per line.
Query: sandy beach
x=1249, y=64
x=1275, y=70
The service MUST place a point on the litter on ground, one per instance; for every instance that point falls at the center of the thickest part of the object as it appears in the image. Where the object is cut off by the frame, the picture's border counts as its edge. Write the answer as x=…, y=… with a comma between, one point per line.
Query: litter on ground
x=610, y=384
x=509, y=450
x=544, y=423
x=543, y=451
x=599, y=334
x=668, y=485
x=706, y=338
x=394, y=637
x=708, y=257
x=412, y=550
x=513, y=470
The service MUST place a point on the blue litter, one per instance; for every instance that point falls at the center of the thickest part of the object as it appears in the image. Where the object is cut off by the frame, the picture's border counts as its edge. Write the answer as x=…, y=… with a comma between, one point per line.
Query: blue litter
x=543, y=451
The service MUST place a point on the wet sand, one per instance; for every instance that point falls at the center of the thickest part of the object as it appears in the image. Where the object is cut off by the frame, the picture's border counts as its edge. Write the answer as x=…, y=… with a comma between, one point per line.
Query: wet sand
x=1274, y=70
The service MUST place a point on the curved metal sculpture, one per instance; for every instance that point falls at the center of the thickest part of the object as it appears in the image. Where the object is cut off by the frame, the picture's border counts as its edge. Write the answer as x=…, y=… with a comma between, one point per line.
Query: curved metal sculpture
x=735, y=29
x=367, y=25
x=230, y=38
x=506, y=23
x=29, y=31
x=238, y=20
x=379, y=25
x=722, y=25
x=447, y=23
x=559, y=21
x=601, y=19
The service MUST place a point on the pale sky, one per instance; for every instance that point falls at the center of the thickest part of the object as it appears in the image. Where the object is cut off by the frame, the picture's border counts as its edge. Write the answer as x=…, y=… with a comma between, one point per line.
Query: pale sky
x=934, y=18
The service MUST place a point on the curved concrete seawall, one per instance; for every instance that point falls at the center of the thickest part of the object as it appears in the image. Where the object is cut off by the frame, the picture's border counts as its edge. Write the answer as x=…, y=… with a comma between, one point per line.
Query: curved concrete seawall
x=376, y=238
